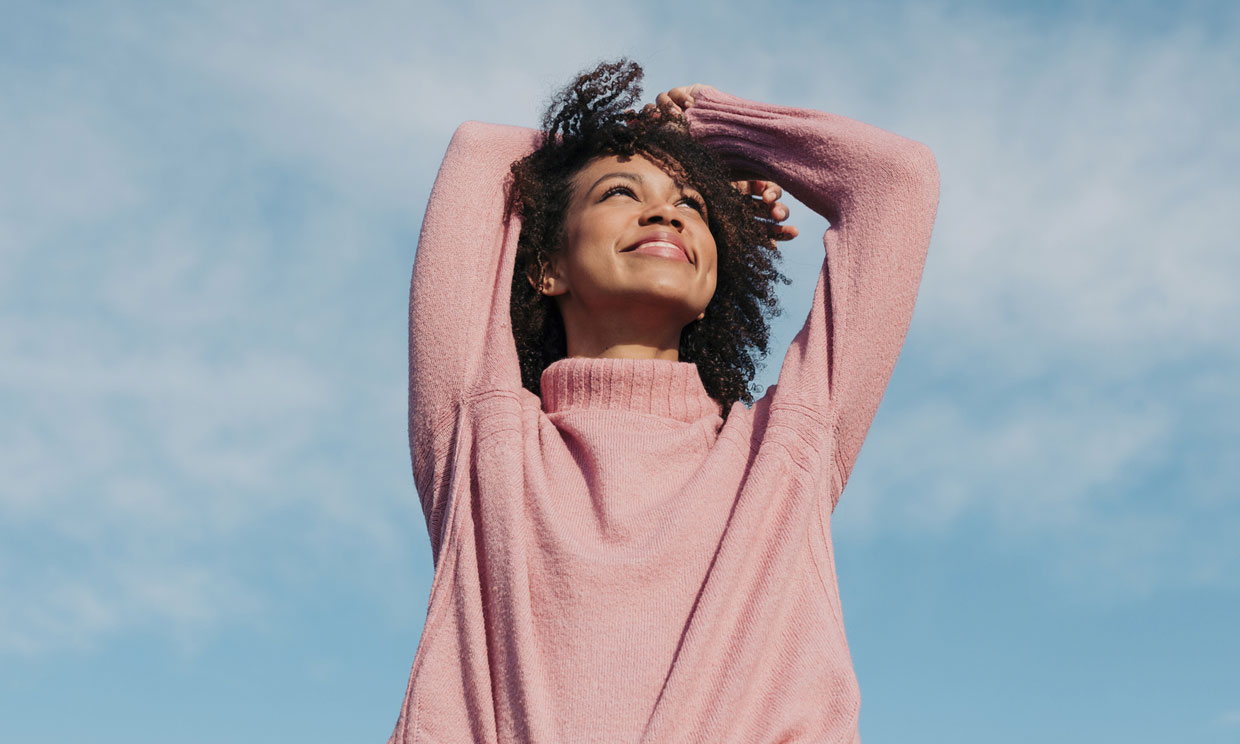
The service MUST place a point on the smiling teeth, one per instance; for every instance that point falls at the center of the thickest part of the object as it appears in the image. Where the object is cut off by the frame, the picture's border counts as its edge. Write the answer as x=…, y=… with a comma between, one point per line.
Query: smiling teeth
x=660, y=242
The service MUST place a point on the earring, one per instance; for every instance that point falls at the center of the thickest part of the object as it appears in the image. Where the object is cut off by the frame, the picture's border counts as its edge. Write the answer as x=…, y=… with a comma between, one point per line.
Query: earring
x=543, y=284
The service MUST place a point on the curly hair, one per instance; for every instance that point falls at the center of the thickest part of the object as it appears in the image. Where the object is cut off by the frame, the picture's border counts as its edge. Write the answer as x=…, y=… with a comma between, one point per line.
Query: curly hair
x=591, y=118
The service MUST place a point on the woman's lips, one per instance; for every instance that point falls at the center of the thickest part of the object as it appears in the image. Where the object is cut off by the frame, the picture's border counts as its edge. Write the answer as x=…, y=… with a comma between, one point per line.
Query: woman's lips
x=661, y=248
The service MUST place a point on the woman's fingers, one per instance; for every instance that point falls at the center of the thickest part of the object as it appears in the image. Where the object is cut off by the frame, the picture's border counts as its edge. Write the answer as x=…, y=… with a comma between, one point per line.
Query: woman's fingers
x=749, y=187
x=667, y=103
x=770, y=192
x=679, y=98
x=785, y=232
x=682, y=96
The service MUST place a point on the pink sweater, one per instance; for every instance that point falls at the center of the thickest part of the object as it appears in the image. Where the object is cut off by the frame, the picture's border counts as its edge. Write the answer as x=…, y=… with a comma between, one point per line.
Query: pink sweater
x=613, y=563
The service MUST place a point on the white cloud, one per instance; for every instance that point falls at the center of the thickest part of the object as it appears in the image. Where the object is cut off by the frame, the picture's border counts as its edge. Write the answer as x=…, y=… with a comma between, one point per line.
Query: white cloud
x=1034, y=463
x=72, y=605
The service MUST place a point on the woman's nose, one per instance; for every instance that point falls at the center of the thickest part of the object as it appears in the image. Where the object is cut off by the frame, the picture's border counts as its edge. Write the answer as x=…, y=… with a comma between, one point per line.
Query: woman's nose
x=663, y=214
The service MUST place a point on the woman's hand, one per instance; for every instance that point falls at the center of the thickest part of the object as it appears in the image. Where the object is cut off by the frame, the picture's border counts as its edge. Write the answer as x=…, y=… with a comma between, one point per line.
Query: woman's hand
x=678, y=99
x=674, y=103
x=769, y=192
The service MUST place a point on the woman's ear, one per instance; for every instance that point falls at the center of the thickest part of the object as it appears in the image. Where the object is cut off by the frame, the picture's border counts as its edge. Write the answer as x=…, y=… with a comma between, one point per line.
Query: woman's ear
x=549, y=281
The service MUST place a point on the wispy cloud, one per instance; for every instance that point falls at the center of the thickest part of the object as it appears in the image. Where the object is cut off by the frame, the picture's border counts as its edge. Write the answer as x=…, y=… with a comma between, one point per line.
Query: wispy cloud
x=1066, y=371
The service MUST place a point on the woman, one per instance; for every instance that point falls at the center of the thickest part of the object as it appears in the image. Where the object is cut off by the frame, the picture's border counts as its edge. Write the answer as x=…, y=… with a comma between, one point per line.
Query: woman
x=625, y=549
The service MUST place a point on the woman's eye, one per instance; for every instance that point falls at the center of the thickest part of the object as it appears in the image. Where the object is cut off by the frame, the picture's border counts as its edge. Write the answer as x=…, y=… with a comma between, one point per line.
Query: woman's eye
x=693, y=202
x=618, y=190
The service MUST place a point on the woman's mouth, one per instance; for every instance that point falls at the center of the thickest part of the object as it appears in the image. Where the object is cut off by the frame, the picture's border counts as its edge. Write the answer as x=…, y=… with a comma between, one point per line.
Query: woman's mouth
x=663, y=246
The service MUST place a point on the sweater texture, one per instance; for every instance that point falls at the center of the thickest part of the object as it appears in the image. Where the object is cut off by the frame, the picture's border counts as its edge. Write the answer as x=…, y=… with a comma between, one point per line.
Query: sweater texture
x=613, y=562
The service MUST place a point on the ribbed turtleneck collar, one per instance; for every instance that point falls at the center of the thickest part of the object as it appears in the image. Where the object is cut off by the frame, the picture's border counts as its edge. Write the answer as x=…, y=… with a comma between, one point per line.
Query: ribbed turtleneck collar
x=657, y=387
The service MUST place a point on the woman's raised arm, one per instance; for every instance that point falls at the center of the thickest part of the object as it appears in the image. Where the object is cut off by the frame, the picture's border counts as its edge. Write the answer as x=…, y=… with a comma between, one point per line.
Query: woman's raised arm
x=460, y=334
x=880, y=192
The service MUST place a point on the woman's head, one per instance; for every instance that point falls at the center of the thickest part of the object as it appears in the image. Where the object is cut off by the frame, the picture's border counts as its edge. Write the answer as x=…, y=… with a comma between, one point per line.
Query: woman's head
x=637, y=260
x=607, y=191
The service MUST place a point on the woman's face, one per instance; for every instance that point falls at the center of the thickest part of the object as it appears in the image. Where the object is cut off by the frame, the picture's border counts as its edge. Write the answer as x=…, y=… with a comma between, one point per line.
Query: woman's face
x=637, y=250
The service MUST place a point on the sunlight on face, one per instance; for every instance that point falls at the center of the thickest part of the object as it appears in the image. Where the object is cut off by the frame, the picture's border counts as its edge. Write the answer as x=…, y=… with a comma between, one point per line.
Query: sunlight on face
x=637, y=247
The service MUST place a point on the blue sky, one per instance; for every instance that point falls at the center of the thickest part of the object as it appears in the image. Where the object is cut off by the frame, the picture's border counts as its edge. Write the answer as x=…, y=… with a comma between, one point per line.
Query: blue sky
x=208, y=213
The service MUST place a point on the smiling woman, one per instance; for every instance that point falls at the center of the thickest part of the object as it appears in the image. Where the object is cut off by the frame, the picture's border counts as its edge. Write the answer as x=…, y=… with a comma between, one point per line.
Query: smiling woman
x=625, y=549
x=618, y=293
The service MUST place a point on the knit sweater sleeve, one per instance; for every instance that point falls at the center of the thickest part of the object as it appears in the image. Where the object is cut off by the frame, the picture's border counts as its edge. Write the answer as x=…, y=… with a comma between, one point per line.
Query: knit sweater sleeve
x=460, y=334
x=880, y=193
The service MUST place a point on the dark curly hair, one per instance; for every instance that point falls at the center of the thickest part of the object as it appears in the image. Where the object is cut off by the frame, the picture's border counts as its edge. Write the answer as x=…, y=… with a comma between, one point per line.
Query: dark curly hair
x=590, y=118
